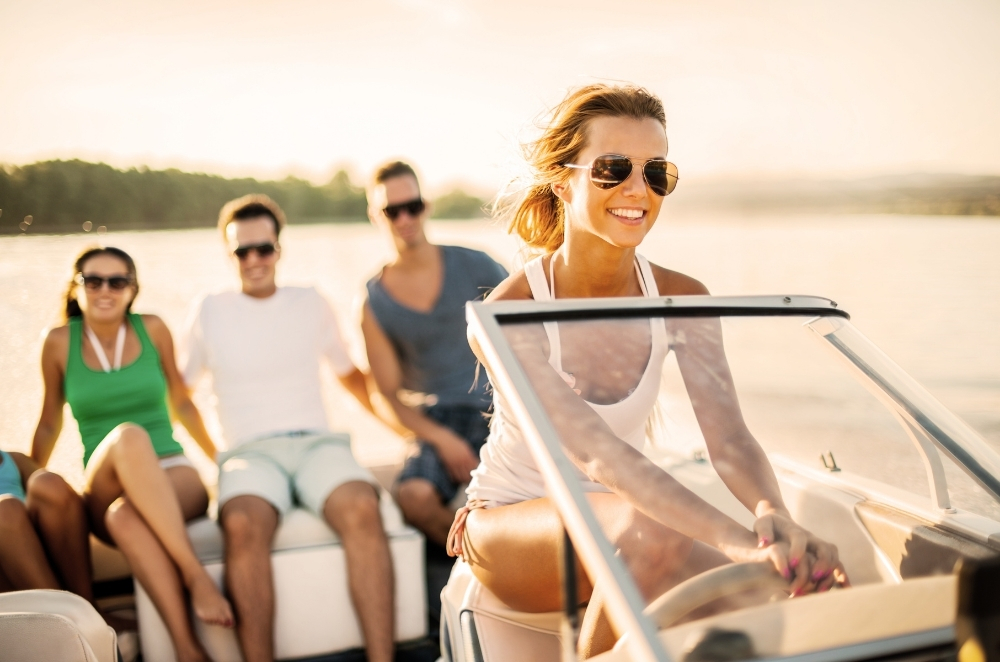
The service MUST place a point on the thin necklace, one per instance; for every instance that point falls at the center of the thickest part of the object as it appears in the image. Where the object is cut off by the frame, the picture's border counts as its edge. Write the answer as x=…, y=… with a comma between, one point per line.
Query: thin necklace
x=101, y=356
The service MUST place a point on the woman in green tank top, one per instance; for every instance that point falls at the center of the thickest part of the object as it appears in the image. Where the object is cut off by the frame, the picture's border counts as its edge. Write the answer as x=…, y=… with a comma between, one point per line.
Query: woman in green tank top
x=140, y=488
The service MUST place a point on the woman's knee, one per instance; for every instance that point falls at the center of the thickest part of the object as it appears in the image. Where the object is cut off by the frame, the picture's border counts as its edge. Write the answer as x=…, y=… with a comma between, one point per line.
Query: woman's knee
x=120, y=519
x=14, y=519
x=51, y=490
x=652, y=552
x=129, y=439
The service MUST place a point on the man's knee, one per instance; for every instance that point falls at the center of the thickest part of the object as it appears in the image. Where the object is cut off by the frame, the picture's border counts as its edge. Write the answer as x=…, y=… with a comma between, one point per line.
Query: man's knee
x=353, y=506
x=248, y=522
x=416, y=497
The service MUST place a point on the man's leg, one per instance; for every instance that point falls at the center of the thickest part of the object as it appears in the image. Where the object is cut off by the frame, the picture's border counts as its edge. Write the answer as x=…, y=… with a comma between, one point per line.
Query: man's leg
x=352, y=510
x=249, y=523
x=423, y=507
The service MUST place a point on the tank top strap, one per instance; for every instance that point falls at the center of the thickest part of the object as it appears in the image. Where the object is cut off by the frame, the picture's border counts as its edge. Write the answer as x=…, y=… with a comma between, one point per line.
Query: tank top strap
x=541, y=290
x=648, y=281
x=75, y=355
x=646, y=277
x=140, y=329
x=534, y=271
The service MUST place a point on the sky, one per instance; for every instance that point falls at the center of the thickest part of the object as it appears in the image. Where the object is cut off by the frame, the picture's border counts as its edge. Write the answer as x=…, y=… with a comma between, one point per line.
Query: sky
x=771, y=88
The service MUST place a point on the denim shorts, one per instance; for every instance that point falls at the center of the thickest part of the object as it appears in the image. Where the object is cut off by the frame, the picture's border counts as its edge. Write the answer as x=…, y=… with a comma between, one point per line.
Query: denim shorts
x=469, y=423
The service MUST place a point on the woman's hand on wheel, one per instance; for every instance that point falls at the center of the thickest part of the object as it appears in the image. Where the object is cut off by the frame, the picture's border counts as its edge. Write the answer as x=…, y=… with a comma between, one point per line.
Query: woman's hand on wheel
x=814, y=564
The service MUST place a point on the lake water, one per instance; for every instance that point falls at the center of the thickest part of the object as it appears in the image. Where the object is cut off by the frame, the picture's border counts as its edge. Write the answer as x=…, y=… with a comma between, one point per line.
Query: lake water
x=925, y=289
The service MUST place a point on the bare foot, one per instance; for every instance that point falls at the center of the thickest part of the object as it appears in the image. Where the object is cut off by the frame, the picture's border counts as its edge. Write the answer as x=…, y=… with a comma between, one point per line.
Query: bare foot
x=208, y=604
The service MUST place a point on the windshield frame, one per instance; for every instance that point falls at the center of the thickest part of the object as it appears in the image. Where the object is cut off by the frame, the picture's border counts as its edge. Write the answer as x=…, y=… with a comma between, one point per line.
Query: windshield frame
x=624, y=602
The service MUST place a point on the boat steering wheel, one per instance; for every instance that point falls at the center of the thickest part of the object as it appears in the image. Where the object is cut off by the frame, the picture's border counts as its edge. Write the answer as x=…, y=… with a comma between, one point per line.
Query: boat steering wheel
x=717, y=583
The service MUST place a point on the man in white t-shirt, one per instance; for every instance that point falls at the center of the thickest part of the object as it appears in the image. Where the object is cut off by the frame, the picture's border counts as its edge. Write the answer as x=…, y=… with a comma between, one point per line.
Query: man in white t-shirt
x=263, y=347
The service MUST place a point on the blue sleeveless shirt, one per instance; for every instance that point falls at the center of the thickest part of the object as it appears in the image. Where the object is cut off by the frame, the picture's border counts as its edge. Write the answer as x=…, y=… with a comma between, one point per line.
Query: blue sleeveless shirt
x=432, y=347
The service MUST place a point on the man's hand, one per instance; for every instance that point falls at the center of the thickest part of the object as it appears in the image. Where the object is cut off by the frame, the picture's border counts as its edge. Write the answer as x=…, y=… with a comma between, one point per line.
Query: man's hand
x=457, y=457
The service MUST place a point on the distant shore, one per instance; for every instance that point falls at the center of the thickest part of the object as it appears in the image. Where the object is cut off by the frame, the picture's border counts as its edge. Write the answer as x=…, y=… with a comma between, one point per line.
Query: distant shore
x=66, y=197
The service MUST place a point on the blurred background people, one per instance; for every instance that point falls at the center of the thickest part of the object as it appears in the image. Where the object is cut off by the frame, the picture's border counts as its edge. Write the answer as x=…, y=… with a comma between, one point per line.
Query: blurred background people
x=117, y=371
x=44, y=537
x=263, y=346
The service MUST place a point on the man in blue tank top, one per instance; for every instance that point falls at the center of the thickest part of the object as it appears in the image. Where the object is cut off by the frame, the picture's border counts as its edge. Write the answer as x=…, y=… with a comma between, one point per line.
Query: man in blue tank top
x=414, y=327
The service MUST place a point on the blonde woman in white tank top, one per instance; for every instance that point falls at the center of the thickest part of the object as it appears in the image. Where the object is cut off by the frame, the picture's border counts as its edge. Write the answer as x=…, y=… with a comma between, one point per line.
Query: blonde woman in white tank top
x=589, y=228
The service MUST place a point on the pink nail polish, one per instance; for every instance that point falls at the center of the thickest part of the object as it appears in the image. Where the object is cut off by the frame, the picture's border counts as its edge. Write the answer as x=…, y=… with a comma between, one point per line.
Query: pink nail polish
x=818, y=575
x=786, y=574
x=793, y=563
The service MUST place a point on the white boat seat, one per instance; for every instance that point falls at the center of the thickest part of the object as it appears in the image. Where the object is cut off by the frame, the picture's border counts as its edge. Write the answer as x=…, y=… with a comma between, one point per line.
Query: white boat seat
x=503, y=633
x=44, y=625
x=313, y=612
x=480, y=600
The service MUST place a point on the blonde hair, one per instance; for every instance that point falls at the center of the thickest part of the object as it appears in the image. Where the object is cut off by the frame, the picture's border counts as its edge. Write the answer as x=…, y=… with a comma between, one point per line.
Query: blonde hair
x=532, y=210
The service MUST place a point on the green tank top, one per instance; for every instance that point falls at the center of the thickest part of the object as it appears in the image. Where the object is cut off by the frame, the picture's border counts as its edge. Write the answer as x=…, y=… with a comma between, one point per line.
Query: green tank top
x=101, y=401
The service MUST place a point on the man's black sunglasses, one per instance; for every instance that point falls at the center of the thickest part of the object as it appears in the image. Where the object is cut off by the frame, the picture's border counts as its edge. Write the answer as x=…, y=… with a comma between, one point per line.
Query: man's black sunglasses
x=92, y=282
x=263, y=250
x=411, y=207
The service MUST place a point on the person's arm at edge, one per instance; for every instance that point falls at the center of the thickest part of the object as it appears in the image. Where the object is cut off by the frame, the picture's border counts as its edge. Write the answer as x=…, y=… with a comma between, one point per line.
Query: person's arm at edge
x=388, y=376
x=178, y=394
x=54, y=351
x=357, y=384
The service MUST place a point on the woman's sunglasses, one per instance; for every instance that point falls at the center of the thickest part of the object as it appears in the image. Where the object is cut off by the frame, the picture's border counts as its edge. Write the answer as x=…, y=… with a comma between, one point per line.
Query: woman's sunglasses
x=96, y=282
x=610, y=170
x=412, y=207
x=262, y=250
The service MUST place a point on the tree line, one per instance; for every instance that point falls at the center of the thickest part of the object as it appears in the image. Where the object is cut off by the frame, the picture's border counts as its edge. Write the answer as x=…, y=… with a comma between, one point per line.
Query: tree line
x=70, y=196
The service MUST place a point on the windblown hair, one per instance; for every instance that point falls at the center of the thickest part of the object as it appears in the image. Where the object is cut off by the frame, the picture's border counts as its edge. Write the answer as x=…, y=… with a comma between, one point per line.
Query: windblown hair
x=250, y=206
x=533, y=210
x=72, y=306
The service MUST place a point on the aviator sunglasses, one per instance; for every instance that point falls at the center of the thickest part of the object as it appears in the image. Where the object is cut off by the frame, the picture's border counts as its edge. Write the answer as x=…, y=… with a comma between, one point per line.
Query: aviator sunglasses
x=610, y=170
x=92, y=282
x=411, y=207
x=263, y=250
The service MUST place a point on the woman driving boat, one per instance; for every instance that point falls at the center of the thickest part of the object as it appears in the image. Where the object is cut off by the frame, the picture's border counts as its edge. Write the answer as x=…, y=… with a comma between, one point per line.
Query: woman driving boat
x=600, y=178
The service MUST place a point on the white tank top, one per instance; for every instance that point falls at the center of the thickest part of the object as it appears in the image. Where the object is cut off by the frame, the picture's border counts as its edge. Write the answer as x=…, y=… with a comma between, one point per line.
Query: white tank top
x=507, y=472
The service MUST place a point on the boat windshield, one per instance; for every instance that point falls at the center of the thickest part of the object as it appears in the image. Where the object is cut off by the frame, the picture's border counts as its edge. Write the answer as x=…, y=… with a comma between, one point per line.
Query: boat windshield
x=600, y=390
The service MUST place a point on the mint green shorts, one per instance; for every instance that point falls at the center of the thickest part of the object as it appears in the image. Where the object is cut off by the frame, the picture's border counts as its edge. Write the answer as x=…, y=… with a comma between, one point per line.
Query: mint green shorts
x=289, y=470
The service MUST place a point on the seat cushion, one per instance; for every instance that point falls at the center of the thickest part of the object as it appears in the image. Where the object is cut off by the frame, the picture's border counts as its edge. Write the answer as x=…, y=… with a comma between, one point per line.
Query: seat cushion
x=299, y=529
x=53, y=625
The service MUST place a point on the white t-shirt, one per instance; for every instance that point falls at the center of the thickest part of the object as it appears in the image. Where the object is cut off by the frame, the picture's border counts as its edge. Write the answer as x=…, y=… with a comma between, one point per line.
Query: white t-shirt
x=263, y=356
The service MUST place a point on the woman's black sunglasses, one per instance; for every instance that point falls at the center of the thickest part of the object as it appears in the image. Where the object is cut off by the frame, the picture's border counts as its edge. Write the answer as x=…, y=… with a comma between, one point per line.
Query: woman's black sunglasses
x=411, y=207
x=610, y=170
x=262, y=250
x=95, y=282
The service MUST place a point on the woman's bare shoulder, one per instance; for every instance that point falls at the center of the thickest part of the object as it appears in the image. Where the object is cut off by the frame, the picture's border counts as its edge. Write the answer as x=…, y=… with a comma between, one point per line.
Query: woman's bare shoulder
x=674, y=283
x=56, y=336
x=514, y=287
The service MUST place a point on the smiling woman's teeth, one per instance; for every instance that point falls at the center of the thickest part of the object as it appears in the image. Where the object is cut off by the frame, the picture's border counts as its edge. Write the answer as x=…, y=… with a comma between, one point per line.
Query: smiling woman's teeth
x=627, y=213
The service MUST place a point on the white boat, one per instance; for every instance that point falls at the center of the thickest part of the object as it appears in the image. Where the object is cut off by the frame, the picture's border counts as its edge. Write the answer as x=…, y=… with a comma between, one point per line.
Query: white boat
x=865, y=458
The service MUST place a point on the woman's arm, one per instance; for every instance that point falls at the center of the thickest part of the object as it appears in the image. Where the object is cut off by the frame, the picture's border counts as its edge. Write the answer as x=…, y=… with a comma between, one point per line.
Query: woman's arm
x=737, y=456
x=54, y=351
x=178, y=394
x=603, y=457
x=735, y=453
